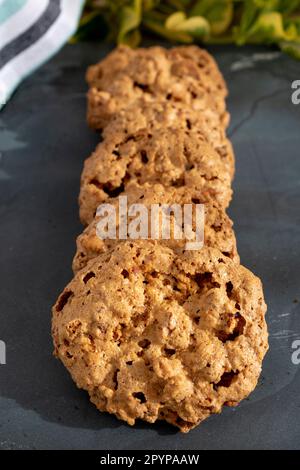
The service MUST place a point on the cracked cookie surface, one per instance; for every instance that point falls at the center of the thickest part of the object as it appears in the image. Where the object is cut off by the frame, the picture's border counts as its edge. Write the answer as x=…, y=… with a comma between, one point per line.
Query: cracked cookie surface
x=155, y=336
x=149, y=116
x=183, y=74
x=218, y=231
x=172, y=157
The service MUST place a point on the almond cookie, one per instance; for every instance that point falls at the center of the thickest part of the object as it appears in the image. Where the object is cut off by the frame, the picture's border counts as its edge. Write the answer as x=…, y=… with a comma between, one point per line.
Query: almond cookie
x=148, y=116
x=156, y=336
x=167, y=156
x=119, y=60
x=154, y=73
x=218, y=231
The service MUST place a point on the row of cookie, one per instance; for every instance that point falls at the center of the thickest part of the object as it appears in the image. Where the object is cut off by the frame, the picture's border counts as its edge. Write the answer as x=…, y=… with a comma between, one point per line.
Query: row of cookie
x=195, y=161
x=140, y=119
x=150, y=330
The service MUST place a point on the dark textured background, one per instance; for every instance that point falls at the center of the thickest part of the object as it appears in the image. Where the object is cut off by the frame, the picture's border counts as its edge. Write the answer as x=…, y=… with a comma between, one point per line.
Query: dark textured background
x=43, y=142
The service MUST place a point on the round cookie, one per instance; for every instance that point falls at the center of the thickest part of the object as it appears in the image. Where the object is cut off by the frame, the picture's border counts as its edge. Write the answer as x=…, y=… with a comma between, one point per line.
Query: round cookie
x=154, y=336
x=218, y=231
x=101, y=74
x=171, y=157
x=148, y=116
x=154, y=73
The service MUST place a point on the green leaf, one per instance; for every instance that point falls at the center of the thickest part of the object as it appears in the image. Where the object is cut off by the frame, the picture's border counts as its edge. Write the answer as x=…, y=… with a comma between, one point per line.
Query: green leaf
x=288, y=6
x=291, y=48
x=196, y=26
x=172, y=35
x=130, y=19
x=219, y=14
x=174, y=20
x=150, y=4
x=269, y=28
x=209, y=21
x=266, y=5
x=248, y=16
x=295, y=23
x=178, y=4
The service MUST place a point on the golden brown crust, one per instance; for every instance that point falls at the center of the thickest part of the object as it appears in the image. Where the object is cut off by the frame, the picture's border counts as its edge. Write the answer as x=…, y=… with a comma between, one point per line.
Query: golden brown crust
x=170, y=157
x=153, y=335
x=184, y=74
x=148, y=116
x=218, y=231
x=122, y=58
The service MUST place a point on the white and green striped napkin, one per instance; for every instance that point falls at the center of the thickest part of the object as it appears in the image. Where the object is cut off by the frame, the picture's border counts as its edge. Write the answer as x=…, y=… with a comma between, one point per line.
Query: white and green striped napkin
x=32, y=31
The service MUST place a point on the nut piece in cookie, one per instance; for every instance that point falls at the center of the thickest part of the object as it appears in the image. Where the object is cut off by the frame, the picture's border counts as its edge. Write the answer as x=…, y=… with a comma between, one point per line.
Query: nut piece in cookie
x=218, y=231
x=171, y=157
x=156, y=336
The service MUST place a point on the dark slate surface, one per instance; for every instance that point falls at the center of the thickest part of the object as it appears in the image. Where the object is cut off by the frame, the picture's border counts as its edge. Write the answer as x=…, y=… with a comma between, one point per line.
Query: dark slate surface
x=43, y=142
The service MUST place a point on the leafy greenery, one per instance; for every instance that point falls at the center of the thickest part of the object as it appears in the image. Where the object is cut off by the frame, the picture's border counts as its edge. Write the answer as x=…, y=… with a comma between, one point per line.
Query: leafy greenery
x=186, y=21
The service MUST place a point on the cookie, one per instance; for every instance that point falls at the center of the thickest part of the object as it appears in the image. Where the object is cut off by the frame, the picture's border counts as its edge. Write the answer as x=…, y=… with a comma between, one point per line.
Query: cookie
x=154, y=74
x=122, y=58
x=187, y=58
x=148, y=116
x=156, y=336
x=218, y=231
x=171, y=157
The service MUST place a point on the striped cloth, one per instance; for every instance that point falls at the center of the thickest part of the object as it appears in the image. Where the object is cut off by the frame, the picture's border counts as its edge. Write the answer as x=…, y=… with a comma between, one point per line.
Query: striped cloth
x=32, y=31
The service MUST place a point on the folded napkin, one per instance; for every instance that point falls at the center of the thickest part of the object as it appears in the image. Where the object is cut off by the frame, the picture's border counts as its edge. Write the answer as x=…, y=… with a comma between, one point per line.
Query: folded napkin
x=32, y=31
